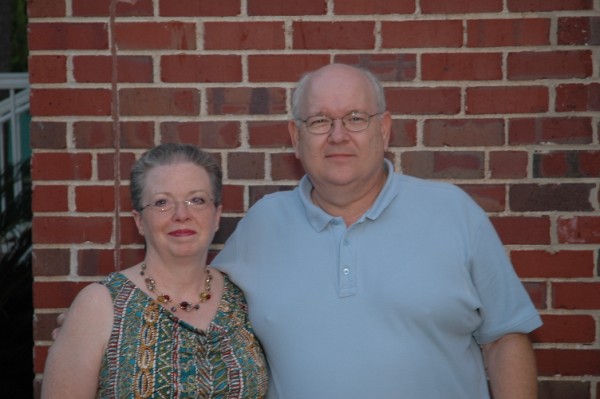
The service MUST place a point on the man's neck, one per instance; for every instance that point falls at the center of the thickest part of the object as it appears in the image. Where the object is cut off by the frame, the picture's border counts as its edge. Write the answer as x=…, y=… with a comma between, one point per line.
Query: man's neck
x=349, y=202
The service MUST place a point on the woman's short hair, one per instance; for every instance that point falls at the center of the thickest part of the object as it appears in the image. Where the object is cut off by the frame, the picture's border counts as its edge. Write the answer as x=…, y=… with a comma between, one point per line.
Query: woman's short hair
x=168, y=154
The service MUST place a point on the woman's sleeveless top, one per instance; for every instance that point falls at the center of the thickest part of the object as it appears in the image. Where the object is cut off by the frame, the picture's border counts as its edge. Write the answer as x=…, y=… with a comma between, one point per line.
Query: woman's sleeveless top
x=153, y=354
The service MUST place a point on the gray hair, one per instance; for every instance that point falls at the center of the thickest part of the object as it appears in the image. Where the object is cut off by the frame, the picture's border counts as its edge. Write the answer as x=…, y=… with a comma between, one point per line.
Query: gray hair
x=168, y=154
x=302, y=86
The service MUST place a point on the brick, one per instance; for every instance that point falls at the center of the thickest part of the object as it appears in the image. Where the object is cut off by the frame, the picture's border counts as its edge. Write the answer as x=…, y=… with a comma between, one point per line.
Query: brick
x=93, y=135
x=242, y=100
x=578, y=230
x=576, y=296
x=183, y=68
x=404, y=133
x=73, y=230
x=129, y=257
x=61, y=166
x=444, y=165
x=387, y=67
x=47, y=69
x=51, y=262
x=39, y=360
x=268, y=134
x=54, y=198
x=285, y=166
x=459, y=6
x=506, y=100
x=159, y=101
x=579, y=30
x=45, y=9
x=43, y=324
x=523, y=230
x=172, y=35
x=421, y=100
x=102, y=8
x=94, y=198
x=537, y=292
x=48, y=135
x=578, y=97
x=101, y=135
x=490, y=197
x=136, y=134
x=283, y=68
x=68, y=36
x=124, y=196
x=267, y=35
x=257, y=192
x=549, y=389
x=339, y=35
x=70, y=102
x=226, y=227
x=508, y=164
x=461, y=66
x=99, y=69
x=106, y=165
x=560, y=264
x=195, y=8
x=532, y=65
x=415, y=34
x=548, y=5
x=95, y=262
x=567, y=130
x=589, y=163
x=373, y=7
x=288, y=8
x=463, y=132
x=233, y=198
x=559, y=164
x=566, y=329
x=508, y=32
x=55, y=294
x=555, y=164
x=246, y=165
x=202, y=134
x=563, y=197
x=129, y=233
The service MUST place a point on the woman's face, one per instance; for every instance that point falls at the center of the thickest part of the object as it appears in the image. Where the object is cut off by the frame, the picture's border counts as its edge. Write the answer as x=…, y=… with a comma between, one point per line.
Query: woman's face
x=187, y=229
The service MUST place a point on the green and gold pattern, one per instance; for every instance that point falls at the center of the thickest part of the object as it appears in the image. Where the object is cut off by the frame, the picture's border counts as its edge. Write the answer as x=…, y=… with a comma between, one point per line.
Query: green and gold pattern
x=153, y=354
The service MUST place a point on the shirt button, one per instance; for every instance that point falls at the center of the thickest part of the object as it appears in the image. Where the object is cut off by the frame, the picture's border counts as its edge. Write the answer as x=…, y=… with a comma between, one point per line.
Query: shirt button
x=346, y=271
x=346, y=243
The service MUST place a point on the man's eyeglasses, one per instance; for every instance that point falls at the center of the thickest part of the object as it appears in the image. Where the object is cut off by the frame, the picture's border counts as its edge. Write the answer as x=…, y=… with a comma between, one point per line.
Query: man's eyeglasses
x=196, y=203
x=353, y=122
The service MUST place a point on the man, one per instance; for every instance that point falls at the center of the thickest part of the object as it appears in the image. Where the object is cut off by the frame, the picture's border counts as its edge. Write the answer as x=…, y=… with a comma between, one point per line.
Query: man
x=362, y=283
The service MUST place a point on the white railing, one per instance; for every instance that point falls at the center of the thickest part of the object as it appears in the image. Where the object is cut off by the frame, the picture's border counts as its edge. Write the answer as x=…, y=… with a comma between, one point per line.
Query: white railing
x=12, y=131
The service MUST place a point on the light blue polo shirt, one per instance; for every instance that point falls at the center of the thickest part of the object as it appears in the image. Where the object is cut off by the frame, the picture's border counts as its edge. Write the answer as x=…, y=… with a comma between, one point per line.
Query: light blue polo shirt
x=394, y=306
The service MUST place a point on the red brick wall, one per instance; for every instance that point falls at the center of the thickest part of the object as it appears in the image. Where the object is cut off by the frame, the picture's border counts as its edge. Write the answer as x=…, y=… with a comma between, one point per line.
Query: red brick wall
x=498, y=96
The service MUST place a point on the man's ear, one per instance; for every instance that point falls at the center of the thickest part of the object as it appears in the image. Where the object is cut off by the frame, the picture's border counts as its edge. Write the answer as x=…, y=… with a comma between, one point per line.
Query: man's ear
x=293, y=131
x=386, y=129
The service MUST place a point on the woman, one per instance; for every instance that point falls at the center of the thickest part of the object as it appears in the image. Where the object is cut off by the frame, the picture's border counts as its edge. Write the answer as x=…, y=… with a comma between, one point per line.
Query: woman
x=169, y=326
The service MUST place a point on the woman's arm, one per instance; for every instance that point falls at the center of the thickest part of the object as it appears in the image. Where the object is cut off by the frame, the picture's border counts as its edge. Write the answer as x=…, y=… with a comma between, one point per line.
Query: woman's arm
x=74, y=359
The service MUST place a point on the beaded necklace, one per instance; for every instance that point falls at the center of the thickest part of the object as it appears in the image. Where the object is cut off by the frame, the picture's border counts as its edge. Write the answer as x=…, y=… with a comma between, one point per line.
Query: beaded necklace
x=165, y=299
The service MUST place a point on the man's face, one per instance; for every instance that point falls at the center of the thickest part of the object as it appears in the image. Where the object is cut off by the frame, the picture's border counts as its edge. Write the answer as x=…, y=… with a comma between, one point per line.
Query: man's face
x=341, y=157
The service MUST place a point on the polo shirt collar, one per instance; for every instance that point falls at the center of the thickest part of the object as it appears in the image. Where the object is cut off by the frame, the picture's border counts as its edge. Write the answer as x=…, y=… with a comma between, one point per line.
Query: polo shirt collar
x=319, y=219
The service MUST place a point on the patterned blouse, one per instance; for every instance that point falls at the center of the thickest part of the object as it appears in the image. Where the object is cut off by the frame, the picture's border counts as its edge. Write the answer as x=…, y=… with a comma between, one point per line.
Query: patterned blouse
x=153, y=354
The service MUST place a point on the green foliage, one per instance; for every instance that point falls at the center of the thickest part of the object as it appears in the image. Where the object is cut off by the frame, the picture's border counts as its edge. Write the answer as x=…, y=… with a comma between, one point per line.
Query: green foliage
x=19, y=50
